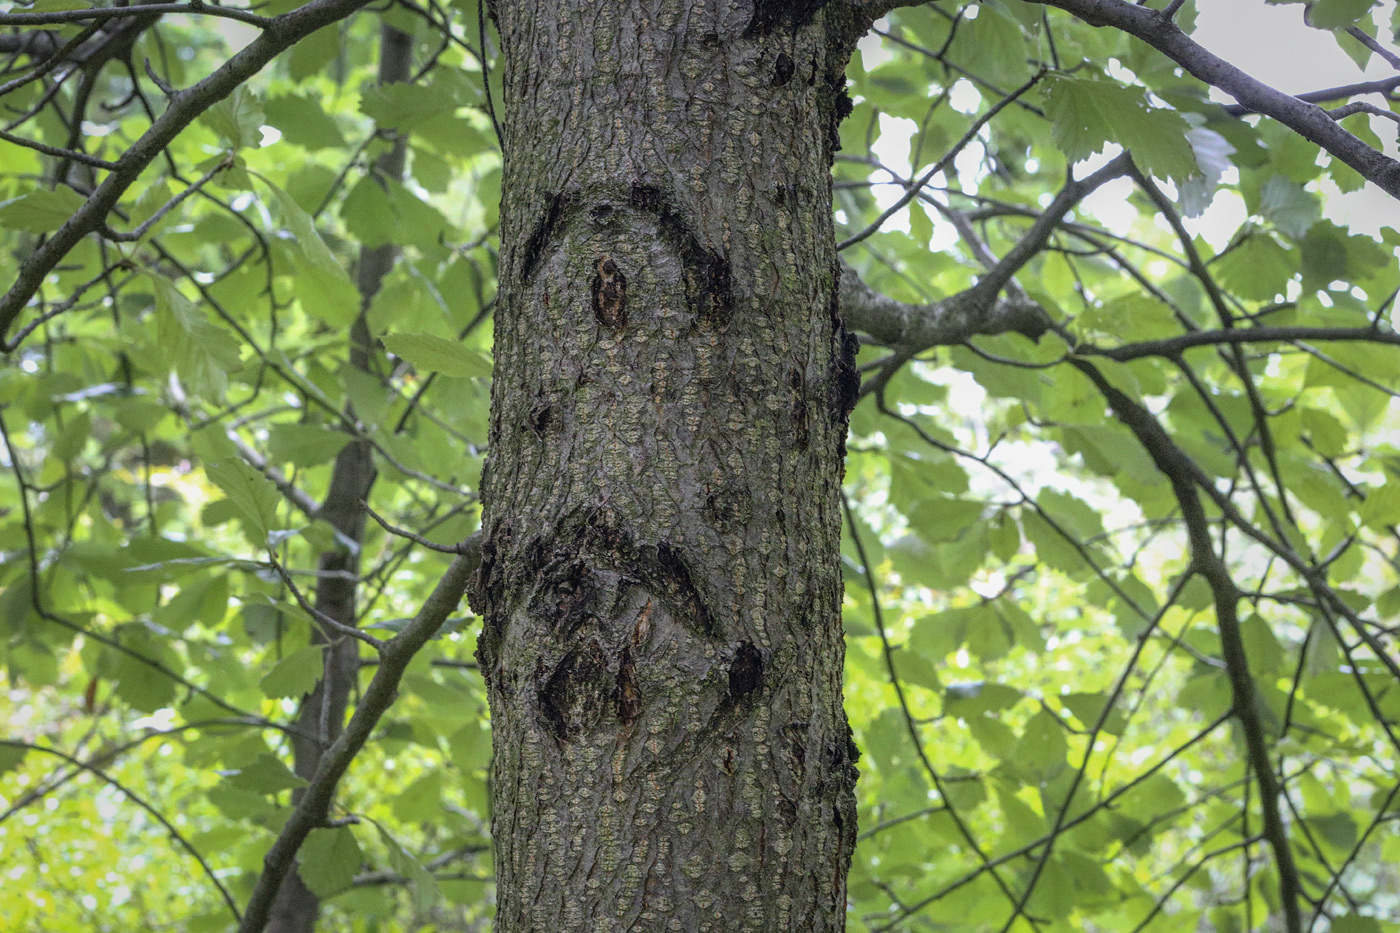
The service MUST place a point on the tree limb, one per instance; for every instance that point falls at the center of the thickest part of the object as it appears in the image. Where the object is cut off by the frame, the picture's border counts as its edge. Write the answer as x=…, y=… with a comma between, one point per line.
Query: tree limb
x=378, y=696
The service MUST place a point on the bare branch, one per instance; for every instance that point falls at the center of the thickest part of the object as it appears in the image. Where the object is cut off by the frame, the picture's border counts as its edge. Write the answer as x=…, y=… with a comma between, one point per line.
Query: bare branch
x=1171, y=347
x=1385, y=86
x=194, y=8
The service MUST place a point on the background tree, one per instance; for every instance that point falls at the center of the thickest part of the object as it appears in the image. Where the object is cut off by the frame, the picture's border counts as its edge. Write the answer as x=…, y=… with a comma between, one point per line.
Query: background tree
x=1120, y=549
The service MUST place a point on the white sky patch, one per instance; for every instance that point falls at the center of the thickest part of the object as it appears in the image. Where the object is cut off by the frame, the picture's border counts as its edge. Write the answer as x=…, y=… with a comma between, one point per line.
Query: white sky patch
x=1110, y=204
x=1273, y=44
x=1221, y=220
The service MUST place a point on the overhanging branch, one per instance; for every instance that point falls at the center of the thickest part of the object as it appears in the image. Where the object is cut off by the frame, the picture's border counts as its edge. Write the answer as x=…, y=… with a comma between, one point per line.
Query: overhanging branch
x=278, y=35
x=1306, y=119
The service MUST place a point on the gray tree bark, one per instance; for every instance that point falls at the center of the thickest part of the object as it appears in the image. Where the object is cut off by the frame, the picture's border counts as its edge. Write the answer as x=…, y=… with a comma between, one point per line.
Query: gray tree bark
x=660, y=582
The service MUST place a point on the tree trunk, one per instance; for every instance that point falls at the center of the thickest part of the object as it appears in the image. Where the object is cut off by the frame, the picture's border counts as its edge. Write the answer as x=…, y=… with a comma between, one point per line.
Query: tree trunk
x=322, y=714
x=660, y=582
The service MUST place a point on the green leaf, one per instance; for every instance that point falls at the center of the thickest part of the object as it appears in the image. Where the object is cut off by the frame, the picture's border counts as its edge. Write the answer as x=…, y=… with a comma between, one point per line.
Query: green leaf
x=429, y=353
x=1337, y=14
x=401, y=106
x=143, y=685
x=253, y=496
x=237, y=118
x=1291, y=209
x=41, y=211
x=1355, y=923
x=265, y=774
x=332, y=296
x=304, y=445
x=295, y=675
x=421, y=800
x=203, y=353
x=1381, y=509
x=1087, y=114
x=1258, y=269
x=304, y=122
x=11, y=756
x=328, y=860
x=425, y=890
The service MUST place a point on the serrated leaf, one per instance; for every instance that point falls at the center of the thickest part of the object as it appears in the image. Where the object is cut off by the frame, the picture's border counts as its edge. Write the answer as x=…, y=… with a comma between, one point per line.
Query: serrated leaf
x=237, y=118
x=429, y=353
x=1087, y=115
x=1258, y=269
x=1212, y=153
x=252, y=495
x=203, y=353
x=401, y=106
x=332, y=296
x=1291, y=209
x=328, y=860
x=294, y=675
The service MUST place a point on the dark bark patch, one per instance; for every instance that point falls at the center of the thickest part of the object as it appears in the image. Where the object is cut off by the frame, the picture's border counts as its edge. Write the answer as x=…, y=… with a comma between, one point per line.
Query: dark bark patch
x=486, y=597
x=555, y=207
x=745, y=671
x=541, y=416
x=730, y=507
x=841, y=108
x=708, y=290
x=673, y=576
x=845, y=384
x=602, y=536
x=629, y=702
x=798, y=412
x=783, y=69
x=646, y=197
x=567, y=598
x=795, y=734
x=573, y=698
x=609, y=290
x=768, y=15
x=707, y=287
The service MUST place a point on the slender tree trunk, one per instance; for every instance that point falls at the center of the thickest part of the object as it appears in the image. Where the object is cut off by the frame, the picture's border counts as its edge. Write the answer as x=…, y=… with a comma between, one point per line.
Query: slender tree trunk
x=323, y=711
x=660, y=582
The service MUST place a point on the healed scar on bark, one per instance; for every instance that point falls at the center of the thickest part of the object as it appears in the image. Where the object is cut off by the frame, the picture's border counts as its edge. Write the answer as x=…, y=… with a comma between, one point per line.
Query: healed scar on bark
x=707, y=280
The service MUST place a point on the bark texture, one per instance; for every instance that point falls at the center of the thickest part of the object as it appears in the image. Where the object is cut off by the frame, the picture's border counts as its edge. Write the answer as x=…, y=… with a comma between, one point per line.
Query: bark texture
x=660, y=580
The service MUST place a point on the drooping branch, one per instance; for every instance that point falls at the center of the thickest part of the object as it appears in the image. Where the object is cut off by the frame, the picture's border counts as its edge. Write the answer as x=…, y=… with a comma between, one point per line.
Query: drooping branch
x=1184, y=477
x=1310, y=121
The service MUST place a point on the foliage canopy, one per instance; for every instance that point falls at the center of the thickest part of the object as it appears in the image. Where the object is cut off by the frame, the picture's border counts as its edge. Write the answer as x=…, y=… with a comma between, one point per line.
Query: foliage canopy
x=1122, y=565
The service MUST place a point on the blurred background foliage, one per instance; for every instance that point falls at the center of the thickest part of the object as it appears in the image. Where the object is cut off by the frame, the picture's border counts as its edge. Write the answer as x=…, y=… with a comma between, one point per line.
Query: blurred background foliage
x=1035, y=673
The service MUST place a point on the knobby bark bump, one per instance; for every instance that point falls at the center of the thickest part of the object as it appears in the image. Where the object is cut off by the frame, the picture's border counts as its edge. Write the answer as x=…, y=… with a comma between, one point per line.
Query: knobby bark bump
x=660, y=583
